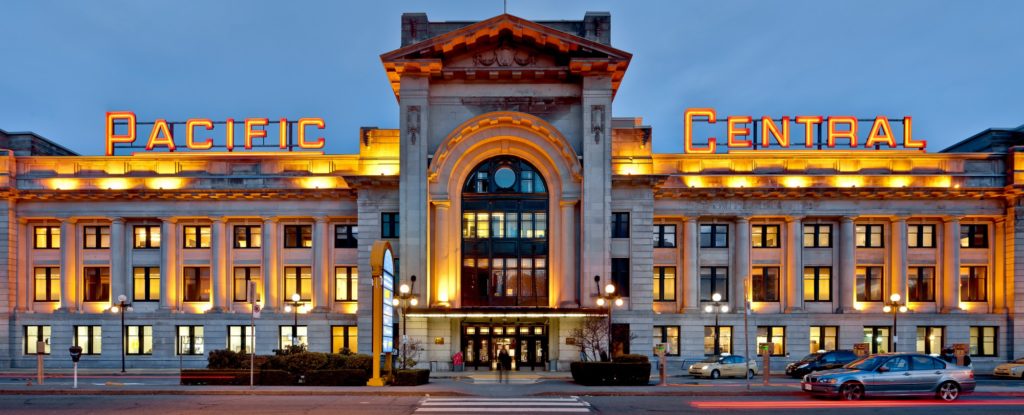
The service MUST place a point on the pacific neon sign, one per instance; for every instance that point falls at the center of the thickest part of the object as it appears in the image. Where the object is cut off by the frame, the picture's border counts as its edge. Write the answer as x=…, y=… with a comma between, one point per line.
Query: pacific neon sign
x=161, y=136
x=776, y=132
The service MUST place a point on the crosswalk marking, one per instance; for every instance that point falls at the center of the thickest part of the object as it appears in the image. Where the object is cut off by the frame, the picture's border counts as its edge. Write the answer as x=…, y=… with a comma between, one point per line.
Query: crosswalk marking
x=503, y=405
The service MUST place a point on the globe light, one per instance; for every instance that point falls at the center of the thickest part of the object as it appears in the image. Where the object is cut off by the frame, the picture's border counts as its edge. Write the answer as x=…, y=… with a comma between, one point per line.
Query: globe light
x=394, y=302
x=887, y=309
x=618, y=302
x=295, y=297
x=129, y=309
x=610, y=289
x=903, y=309
x=708, y=309
x=414, y=301
x=114, y=309
x=404, y=288
x=122, y=298
x=895, y=297
x=716, y=297
x=287, y=309
x=600, y=302
x=725, y=309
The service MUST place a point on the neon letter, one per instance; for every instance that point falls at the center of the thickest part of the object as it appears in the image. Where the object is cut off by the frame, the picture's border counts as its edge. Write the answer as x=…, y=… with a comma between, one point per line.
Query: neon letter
x=881, y=133
x=688, y=116
x=768, y=126
x=229, y=143
x=850, y=134
x=160, y=128
x=808, y=121
x=283, y=136
x=250, y=133
x=190, y=134
x=734, y=130
x=908, y=136
x=114, y=138
x=303, y=123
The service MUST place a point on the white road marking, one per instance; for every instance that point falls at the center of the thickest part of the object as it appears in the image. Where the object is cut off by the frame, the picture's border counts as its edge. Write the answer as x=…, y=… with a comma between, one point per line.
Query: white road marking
x=503, y=405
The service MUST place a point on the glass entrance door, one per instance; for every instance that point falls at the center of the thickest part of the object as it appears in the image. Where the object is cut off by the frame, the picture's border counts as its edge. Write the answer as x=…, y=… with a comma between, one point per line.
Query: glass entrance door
x=526, y=343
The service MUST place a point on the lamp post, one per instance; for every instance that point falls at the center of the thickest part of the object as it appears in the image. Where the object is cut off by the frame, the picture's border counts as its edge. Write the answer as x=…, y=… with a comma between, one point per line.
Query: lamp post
x=610, y=297
x=403, y=300
x=717, y=307
x=895, y=307
x=293, y=306
x=121, y=306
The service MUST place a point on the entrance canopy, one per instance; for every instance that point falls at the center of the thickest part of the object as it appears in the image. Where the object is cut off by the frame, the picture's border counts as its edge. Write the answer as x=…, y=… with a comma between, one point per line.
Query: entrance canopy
x=510, y=313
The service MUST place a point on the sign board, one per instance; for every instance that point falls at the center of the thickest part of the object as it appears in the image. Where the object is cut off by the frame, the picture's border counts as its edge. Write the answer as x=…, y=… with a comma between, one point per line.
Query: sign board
x=861, y=349
x=660, y=349
x=960, y=351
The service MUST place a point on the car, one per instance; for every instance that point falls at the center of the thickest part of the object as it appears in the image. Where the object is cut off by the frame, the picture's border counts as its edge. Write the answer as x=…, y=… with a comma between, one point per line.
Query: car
x=1014, y=369
x=892, y=374
x=717, y=366
x=814, y=362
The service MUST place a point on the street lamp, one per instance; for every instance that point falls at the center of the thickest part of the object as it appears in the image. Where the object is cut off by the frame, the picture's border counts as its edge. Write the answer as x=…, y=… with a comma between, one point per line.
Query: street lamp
x=609, y=297
x=403, y=300
x=895, y=307
x=717, y=307
x=120, y=307
x=293, y=307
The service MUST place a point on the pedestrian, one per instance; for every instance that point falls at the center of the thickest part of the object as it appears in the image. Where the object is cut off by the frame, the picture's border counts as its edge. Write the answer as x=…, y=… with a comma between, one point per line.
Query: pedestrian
x=504, y=363
x=947, y=355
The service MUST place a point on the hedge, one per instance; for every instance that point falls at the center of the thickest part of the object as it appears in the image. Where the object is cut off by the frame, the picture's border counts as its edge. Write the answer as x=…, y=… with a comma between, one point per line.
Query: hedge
x=337, y=377
x=235, y=377
x=611, y=373
x=412, y=377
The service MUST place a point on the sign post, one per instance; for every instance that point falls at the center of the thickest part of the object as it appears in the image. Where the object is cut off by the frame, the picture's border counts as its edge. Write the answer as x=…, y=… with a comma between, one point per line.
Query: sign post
x=40, y=352
x=659, y=350
x=76, y=353
x=252, y=333
x=766, y=353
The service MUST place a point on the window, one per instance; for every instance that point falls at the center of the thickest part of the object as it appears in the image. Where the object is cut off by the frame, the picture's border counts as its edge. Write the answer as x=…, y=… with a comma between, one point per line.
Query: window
x=248, y=236
x=714, y=236
x=664, y=236
x=298, y=280
x=147, y=236
x=298, y=236
x=824, y=338
x=242, y=276
x=240, y=339
x=972, y=283
x=97, y=284
x=869, y=283
x=197, y=283
x=930, y=339
x=620, y=225
x=89, y=338
x=765, y=236
x=620, y=275
x=47, y=237
x=776, y=335
x=921, y=284
x=817, y=284
x=664, y=283
x=870, y=236
x=146, y=285
x=669, y=335
x=190, y=340
x=389, y=225
x=920, y=236
x=344, y=337
x=293, y=335
x=817, y=235
x=721, y=333
x=983, y=341
x=346, y=284
x=346, y=236
x=714, y=280
x=974, y=236
x=140, y=340
x=197, y=237
x=765, y=284
x=34, y=335
x=47, y=284
x=878, y=338
x=96, y=237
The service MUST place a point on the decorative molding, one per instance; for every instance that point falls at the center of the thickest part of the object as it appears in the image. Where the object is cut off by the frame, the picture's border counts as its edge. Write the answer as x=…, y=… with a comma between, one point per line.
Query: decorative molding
x=413, y=123
x=597, y=122
x=504, y=56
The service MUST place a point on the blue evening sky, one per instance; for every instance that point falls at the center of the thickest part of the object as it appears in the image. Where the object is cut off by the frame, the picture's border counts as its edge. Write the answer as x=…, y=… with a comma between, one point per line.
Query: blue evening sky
x=955, y=66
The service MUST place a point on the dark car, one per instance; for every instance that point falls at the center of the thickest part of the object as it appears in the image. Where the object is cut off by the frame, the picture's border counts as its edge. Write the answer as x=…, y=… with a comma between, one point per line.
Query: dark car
x=892, y=374
x=814, y=362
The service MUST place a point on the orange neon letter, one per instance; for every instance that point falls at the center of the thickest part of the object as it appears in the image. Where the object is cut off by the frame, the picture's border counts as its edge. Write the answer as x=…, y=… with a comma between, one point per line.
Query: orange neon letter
x=303, y=123
x=190, y=134
x=115, y=138
x=161, y=135
x=283, y=136
x=908, y=136
x=688, y=116
x=734, y=130
x=768, y=127
x=229, y=135
x=881, y=133
x=850, y=134
x=250, y=133
x=809, y=121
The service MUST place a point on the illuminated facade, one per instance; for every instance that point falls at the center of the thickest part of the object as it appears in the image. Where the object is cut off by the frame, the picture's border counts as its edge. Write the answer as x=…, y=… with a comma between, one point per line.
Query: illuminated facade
x=507, y=188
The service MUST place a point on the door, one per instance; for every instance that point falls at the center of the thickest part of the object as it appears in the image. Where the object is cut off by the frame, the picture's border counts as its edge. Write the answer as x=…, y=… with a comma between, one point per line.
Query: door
x=503, y=343
x=895, y=378
x=925, y=373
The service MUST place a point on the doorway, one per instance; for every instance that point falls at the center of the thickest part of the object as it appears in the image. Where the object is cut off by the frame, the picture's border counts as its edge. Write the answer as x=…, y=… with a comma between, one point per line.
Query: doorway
x=526, y=344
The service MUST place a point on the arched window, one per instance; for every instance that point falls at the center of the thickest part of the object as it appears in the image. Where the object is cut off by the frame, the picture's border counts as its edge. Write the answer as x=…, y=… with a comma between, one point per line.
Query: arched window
x=504, y=235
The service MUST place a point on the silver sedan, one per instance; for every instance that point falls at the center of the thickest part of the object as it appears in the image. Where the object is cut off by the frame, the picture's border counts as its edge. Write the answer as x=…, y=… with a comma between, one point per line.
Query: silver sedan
x=892, y=374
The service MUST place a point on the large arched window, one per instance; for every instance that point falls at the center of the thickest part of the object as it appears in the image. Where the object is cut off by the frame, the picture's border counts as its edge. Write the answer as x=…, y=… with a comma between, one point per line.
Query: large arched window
x=504, y=235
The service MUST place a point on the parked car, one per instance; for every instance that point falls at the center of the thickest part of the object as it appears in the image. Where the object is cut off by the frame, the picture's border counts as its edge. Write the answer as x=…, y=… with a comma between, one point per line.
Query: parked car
x=892, y=374
x=814, y=362
x=1014, y=369
x=717, y=366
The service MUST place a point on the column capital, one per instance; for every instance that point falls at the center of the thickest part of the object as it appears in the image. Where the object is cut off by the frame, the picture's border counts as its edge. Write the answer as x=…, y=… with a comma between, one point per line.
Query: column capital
x=169, y=219
x=797, y=218
x=847, y=218
x=118, y=220
x=691, y=219
x=69, y=219
x=899, y=218
x=23, y=220
x=951, y=218
x=445, y=203
x=743, y=218
x=271, y=219
x=568, y=202
x=321, y=219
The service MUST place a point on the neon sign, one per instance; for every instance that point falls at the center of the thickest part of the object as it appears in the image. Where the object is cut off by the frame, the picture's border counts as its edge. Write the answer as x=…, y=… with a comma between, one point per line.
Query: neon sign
x=745, y=132
x=162, y=134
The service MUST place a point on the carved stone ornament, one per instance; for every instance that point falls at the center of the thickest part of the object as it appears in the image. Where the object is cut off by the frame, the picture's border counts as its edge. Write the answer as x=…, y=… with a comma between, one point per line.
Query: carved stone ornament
x=597, y=122
x=413, y=123
x=504, y=56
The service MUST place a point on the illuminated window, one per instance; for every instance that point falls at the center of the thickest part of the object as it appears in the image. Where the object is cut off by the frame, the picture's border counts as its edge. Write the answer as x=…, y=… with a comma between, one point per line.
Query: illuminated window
x=817, y=284
x=664, y=283
x=620, y=225
x=248, y=236
x=47, y=284
x=97, y=284
x=824, y=338
x=346, y=284
x=190, y=340
x=346, y=236
x=765, y=236
x=197, y=283
x=983, y=340
x=293, y=336
x=240, y=339
x=869, y=284
x=714, y=236
x=920, y=236
x=878, y=338
x=140, y=340
x=670, y=336
x=96, y=237
x=389, y=225
x=47, y=237
x=344, y=339
x=974, y=236
x=146, y=285
x=242, y=276
x=34, y=335
x=664, y=236
x=870, y=236
x=930, y=339
x=147, y=236
x=298, y=236
x=776, y=335
x=298, y=280
x=973, y=283
x=817, y=235
x=921, y=284
x=765, y=284
x=714, y=280
x=723, y=335
x=90, y=339
x=620, y=276
x=197, y=237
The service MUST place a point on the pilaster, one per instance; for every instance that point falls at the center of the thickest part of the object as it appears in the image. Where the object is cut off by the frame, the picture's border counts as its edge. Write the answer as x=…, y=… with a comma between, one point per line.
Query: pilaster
x=951, y=265
x=168, y=263
x=568, y=280
x=794, y=264
x=741, y=266
x=898, y=250
x=597, y=178
x=271, y=268
x=218, y=262
x=690, y=269
x=119, y=278
x=68, y=265
x=321, y=261
x=413, y=210
x=847, y=264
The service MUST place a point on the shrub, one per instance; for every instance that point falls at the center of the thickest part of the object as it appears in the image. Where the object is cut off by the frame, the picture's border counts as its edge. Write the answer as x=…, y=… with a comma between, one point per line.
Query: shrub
x=303, y=362
x=608, y=373
x=274, y=378
x=214, y=377
x=226, y=359
x=630, y=358
x=359, y=361
x=337, y=377
x=411, y=377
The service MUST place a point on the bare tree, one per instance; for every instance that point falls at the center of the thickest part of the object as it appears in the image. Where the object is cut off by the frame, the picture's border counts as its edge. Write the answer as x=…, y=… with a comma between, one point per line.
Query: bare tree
x=591, y=337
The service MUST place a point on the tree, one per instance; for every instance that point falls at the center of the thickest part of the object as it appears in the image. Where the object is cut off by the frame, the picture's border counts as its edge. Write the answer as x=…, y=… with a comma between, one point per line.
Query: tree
x=591, y=337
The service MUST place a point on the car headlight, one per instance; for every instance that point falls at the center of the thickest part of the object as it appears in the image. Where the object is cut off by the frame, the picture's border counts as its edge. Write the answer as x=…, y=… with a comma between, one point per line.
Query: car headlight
x=829, y=381
x=803, y=366
x=703, y=367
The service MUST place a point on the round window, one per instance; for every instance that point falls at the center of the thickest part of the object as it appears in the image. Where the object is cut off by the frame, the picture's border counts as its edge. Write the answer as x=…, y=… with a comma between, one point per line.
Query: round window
x=505, y=177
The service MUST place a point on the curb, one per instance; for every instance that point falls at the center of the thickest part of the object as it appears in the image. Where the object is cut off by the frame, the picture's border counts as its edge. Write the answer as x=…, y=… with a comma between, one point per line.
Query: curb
x=76, y=392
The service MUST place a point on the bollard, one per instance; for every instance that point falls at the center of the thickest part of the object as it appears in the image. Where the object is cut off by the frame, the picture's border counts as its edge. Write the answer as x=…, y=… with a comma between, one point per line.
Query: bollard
x=40, y=352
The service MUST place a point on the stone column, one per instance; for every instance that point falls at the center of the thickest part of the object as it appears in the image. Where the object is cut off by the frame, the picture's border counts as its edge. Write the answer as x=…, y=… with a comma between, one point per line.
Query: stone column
x=168, y=263
x=119, y=279
x=951, y=265
x=218, y=260
x=24, y=272
x=414, y=129
x=270, y=264
x=741, y=268
x=794, y=264
x=68, y=265
x=899, y=257
x=595, y=206
x=321, y=261
x=441, y=279
x=691, y=270
x=1000, y=293
x=567, y=292
x=847, y=264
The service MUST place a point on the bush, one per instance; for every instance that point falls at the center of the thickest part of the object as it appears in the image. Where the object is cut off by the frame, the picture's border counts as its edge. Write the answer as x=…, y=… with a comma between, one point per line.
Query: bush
x=274, y=378
x=608, y=373
x=214, y=377
x=412, y=377
x=337, y=377
x=359, y=361
x=227, y=359
x=303, y=362
x=630, y=358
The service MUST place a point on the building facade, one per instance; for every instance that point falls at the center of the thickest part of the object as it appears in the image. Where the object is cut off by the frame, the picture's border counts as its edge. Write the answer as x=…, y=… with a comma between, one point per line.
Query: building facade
x=513, y=195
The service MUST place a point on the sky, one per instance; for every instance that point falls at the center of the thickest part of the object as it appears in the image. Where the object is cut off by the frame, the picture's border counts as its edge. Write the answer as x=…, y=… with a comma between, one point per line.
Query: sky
x=955, y=66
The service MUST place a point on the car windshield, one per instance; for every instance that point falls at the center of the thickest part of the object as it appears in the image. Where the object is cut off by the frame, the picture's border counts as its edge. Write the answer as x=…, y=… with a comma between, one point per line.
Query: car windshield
x=711, y=359
x=867, y=363
x=811, y=357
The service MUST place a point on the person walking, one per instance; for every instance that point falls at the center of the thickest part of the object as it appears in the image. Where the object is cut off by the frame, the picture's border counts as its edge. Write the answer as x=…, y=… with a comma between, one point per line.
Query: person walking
x=504, y=364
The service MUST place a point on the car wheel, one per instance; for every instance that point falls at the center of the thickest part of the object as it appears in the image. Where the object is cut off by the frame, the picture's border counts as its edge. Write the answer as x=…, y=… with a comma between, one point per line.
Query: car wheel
x=851, y=391
x=750, y=374
x=715, y=374
x=948, y=391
